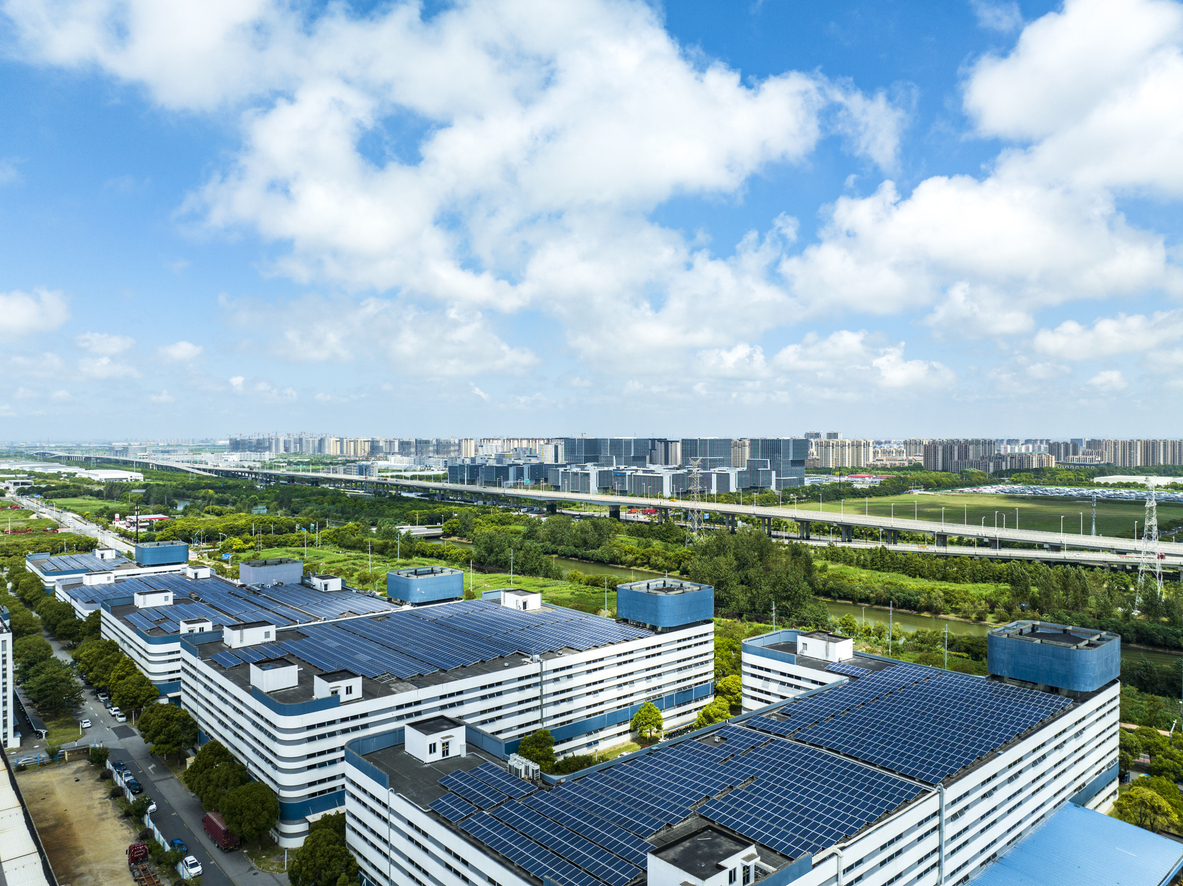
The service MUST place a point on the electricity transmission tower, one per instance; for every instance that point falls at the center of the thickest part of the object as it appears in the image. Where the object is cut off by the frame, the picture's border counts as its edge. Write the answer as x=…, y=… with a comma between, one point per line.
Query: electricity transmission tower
x=696, y=497
x=1150, y=565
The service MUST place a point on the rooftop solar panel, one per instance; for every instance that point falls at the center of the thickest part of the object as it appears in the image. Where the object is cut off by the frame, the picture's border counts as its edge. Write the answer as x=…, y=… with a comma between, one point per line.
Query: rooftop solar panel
x=453, y=808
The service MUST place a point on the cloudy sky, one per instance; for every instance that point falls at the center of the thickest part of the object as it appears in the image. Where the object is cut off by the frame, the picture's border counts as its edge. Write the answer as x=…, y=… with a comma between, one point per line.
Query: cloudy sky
x=599, y=216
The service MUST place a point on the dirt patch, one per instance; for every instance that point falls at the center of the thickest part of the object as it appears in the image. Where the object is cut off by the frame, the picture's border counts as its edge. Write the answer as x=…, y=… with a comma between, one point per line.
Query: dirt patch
x=81, y=828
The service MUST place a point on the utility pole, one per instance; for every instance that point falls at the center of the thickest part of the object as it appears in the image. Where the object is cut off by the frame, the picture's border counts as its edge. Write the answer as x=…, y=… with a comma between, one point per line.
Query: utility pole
x=605, y=596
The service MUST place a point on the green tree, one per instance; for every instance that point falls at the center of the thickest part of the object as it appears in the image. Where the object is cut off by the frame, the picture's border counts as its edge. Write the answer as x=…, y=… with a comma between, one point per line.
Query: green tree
x=28, y=652
x=848, y=625
x=168, y=728
x=1143, y=807
x=22, y=622
x=717, y=711
x=323, y=860
x=731, y=689
x=648, y=722
x=98, y=756
x=213, y=774
x=134, y=692
x=251, y=810
x=539, y=746
x=53, y=689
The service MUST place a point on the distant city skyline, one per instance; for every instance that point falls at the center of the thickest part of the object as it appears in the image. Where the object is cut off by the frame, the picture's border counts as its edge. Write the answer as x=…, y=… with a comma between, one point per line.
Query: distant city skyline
x=935, y=219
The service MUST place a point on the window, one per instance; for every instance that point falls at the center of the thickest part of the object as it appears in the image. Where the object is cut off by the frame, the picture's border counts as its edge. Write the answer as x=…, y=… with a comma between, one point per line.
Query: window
x=747, y=874
x=446, y=749
x=431, y=748
x=731, y=875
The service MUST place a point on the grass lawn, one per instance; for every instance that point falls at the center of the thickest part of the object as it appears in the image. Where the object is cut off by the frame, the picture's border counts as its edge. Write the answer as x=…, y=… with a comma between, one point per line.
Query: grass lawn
x=336, y=561
x=1114, y=518
x=270, y=858
x=854, y=575
x=84, y=503
x=22, y=519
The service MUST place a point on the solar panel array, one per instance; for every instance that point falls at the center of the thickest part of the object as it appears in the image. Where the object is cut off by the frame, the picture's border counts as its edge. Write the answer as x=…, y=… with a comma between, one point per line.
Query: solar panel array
x=794, y=798
x=847, y=669
x=453, y=807
x=415, y=642
x=936, y=727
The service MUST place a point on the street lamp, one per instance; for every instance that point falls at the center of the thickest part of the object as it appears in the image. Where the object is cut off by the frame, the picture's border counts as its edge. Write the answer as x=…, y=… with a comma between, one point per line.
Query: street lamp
x=1061, y=532
x=1016, y=518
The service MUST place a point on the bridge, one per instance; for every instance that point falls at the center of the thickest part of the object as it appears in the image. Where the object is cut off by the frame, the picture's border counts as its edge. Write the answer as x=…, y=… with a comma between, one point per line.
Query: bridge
x=976, y=541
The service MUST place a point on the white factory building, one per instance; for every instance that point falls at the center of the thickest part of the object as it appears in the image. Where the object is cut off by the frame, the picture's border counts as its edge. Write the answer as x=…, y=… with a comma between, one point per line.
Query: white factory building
x=899, y=775
x=285, y=700
x=784, y=664
x=147, y=616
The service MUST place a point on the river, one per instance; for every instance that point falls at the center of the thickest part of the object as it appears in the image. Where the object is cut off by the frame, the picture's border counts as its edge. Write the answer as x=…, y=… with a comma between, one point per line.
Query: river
x=908, y=620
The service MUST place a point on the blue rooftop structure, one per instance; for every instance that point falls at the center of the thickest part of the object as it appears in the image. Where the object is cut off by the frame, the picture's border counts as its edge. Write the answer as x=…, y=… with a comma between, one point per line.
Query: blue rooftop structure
x=1077, y=846
x=1072, y=658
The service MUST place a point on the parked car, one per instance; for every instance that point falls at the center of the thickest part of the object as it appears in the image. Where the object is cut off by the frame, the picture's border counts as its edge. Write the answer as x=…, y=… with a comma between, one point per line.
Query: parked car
x=115, y=710
x=179, y=845
x=191, y=866
x=120, y=717
x=134, y=786
x=86, y=724
x=151, y=807
x=118, y=765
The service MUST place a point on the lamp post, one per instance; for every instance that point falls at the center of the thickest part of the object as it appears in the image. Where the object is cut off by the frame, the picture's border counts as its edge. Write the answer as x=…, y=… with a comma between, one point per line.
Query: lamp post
x=1061, y=533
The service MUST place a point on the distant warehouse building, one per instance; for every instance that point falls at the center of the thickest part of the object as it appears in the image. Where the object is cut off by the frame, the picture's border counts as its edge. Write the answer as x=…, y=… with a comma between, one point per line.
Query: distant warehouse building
x=286, y=706
x=892, y=774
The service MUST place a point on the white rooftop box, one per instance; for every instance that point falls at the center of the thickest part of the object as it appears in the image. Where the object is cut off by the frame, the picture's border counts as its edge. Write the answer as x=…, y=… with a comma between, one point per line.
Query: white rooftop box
x=523, y=600
x=825, y=646
x=106, y=553
x=195, y=625
x=435, y=739
x=274, y=674
x=325, y=582
x=98, y=578
x=197, y=572
x=252, y=634
x=147, y=599
x=345, y=684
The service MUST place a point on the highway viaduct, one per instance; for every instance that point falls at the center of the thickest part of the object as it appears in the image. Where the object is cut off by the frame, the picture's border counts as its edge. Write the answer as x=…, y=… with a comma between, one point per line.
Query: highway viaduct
x=987, y=542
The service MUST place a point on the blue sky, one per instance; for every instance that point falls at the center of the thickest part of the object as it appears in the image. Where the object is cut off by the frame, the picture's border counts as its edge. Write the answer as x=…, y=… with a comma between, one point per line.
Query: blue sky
x=884, y=218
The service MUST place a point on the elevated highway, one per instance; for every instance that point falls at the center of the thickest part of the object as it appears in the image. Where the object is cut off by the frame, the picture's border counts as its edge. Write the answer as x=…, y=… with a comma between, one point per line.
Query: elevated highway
x=979, y=541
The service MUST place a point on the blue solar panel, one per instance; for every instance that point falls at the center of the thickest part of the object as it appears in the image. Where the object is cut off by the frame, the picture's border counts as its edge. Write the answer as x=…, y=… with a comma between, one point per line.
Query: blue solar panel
x=453, y=808
x=612, y=837
x=473, y=790
x=526, y=853
x=503, y=781
x=847, y=669
x=596, y=860
x=226, y=659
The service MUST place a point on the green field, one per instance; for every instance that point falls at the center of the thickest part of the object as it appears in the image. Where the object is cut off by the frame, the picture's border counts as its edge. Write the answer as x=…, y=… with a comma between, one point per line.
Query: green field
x=354, y=565
x=855, y=575
x=1114, y=518
x=22, y=519
x=83, y=504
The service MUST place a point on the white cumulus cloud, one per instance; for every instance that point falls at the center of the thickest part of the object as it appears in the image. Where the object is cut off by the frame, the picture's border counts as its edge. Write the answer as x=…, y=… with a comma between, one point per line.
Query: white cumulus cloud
x=180, y=352
x=103, y=343
x=24, y=313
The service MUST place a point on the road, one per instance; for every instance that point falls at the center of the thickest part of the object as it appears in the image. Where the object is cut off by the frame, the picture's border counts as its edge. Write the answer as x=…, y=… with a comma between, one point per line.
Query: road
x=74, y=523
x=178, y=812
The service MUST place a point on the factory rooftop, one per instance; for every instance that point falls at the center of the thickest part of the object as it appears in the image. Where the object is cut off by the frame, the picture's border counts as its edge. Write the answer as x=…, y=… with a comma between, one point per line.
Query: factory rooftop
x=793, y=779
x=425, y=645
x=224, y=603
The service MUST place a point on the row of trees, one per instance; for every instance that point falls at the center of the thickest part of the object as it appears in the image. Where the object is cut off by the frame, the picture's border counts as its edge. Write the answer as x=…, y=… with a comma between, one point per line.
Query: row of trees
x=107, y=667
x=222, y=784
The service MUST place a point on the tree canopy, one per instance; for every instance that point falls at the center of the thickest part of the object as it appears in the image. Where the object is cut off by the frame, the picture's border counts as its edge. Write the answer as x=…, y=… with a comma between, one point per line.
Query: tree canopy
x=1143, y=807
x=749, y=572
x=213, y=774
x=52, y=687
x=324, y=859
x=648, y=722
x=539, y=746
x=168, y=728
x=251, y=810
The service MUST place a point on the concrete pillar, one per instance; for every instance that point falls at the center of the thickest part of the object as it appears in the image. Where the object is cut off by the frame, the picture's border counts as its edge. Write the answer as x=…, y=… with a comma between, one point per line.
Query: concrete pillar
x=552, y=507
x=893, y=536
x=731, y=523
x=614, y=512
x=663, y=514
x=803, y=529
x=847, y=533
x=996, y=544
x=767, y=525
x=942, y=539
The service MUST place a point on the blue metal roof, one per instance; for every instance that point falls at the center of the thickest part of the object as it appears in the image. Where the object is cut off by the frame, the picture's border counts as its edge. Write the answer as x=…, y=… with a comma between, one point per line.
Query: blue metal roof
x=1078, y=846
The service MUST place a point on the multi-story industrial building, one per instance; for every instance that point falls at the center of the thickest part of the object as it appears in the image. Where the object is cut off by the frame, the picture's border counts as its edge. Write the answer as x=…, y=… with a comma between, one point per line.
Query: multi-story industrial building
x=710, y=452
x=506, y=666
x=148, y=616
x=8, y=731
x=896, y=774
